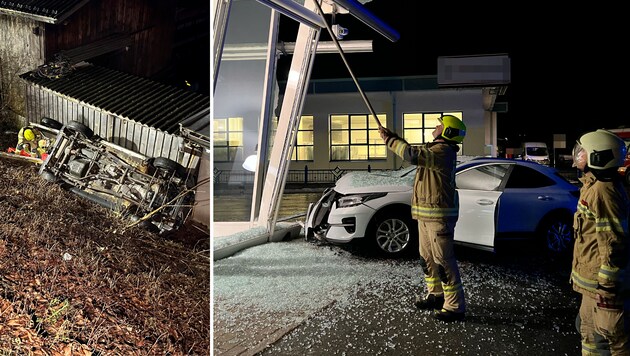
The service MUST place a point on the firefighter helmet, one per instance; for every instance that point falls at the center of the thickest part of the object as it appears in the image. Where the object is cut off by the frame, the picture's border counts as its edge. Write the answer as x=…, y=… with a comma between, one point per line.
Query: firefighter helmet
x=453, y=129
x=29, y=135
x=601, y=149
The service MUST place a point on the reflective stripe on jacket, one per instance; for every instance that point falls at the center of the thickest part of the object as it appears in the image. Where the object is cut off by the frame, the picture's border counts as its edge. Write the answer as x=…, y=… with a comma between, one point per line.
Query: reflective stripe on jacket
x=601, y=252
x=434, y=194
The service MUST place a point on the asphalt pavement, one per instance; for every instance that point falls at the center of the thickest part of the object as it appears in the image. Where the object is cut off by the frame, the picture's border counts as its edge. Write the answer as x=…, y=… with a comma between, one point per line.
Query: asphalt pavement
x=299, y=298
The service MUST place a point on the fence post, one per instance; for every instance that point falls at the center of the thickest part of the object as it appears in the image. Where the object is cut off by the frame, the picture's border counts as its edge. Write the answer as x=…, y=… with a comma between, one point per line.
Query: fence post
x=369, y=168
x=305, y=174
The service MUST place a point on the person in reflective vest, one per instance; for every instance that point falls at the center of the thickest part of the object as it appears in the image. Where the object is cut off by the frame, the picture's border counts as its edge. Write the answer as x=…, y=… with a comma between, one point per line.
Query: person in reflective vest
x=601, y=254
x=435, y=205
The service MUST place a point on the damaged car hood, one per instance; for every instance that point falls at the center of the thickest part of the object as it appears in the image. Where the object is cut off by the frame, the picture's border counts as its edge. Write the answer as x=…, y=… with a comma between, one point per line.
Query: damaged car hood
x=383, y=181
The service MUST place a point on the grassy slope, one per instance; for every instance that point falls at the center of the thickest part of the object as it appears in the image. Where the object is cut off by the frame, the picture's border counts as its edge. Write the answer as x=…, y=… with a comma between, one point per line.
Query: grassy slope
x=74, y=281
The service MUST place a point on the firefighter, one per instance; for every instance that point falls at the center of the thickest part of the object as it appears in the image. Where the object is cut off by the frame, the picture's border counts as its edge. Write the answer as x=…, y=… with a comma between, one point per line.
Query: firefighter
x=29, y=140
x=435, y=205
x=600, y=270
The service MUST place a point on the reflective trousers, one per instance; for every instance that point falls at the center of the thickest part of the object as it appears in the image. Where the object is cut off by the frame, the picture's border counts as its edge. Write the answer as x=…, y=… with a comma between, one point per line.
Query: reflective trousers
x=604, y=331
x=440, y=268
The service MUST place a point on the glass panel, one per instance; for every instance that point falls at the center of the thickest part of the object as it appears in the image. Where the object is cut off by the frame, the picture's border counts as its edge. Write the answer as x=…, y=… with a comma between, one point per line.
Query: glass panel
x=305, y=138
x=220, y=154
x=306, y=153
x=235, y=153
x=339, y=137
x=487, y=177
x=219, y=125
x=378, y=151
x=428, y=135
x=381, y=117
x=358, y=137
x=338, y=122
x=236, y=138
x=236, y=124
x=237, y=101
x=303, y=153
x=375, y=138
x=412, y=121
x=358, y=122
x=359, y=152
x=306, y=123
x=339, y=153
x=219, y=139
x=413, y=136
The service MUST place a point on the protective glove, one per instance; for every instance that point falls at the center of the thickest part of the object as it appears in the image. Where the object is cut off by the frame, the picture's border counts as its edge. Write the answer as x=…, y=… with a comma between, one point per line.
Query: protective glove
x=385, y=133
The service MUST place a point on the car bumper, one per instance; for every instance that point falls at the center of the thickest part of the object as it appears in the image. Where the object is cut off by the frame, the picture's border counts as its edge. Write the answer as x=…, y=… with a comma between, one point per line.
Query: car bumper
x=324, y=221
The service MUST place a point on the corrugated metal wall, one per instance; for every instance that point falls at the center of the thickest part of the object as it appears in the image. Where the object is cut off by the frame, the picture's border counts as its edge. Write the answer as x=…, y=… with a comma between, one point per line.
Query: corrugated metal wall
x=123, y=132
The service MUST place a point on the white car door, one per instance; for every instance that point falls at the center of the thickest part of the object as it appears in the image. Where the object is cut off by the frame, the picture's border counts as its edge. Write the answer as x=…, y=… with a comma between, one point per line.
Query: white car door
x=476, y=217
x=479, y=193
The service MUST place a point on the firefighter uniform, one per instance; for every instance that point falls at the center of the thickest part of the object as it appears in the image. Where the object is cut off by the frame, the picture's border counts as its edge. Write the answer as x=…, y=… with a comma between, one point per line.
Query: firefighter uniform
x=600, y=270
x=28, y=140
x=435, y=205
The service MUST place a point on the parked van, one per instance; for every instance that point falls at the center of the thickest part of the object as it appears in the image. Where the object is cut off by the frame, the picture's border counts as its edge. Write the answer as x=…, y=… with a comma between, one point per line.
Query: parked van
x=535, y=152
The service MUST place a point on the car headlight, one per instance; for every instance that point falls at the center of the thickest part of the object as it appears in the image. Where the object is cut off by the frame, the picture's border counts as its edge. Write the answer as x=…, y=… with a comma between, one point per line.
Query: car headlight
x=356, y=199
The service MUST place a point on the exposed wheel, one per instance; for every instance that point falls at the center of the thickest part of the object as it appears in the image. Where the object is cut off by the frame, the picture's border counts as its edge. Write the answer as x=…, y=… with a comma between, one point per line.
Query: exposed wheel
x=168, y=165
x=394, y=234
x=80, y=128
x=52, y=123
x=48, y=176
x=557, y=234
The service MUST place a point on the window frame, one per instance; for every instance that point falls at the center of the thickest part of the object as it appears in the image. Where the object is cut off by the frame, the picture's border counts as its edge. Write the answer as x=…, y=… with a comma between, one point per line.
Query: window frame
x=370, y=128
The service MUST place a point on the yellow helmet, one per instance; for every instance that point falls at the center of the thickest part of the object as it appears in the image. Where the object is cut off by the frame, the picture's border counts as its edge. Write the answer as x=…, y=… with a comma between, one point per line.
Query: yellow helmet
x=29, y=135
x=453, y=128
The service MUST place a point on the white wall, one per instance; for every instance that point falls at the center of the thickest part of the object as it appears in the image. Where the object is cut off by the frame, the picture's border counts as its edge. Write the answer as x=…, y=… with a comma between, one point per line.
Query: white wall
x=394, y=104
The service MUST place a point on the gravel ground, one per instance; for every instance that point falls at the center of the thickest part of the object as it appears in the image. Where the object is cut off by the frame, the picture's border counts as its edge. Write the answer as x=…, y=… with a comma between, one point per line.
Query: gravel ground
x=326, y=300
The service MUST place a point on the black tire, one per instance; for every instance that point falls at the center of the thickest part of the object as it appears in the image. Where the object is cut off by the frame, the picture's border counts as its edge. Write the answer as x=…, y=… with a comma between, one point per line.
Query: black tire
x=48, y=176
x=556, y=234
x=80, y=128
x=393, y=234
x=168, y=165
x=52, y=123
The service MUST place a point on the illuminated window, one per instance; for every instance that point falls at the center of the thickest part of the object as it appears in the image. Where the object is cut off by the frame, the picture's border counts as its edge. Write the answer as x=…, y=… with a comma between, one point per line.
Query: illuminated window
x=356, y=137
x=418, y=127
x=303, y=150
x=227, y=135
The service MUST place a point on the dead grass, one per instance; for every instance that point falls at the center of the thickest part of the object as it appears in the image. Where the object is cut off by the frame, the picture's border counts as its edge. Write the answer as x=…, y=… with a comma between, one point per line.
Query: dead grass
x=74, y=282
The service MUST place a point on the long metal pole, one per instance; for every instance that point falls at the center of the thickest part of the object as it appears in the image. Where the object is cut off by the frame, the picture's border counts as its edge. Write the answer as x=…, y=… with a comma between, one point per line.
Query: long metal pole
x=356, y=82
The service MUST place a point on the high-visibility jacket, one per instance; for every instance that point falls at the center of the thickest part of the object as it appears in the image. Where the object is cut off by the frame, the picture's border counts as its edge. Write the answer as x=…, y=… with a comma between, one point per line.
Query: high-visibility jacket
x=434, y=193
x=602, y=245
x=32, y=144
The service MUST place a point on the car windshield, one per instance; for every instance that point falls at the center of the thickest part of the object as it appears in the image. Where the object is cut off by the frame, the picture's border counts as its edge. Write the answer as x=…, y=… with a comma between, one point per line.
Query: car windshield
x=537, y=151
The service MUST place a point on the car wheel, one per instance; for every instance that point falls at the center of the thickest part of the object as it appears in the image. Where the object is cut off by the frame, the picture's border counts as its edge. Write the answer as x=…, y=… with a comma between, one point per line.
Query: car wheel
x=80, y=128
x=52, y=123
x=168, y=165
x=394, y=234
x=557, y=234
x=48, y=176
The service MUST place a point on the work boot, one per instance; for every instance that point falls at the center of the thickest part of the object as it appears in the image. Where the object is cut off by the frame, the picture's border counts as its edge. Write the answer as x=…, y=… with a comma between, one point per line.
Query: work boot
x=432, y=301
x=449, y=316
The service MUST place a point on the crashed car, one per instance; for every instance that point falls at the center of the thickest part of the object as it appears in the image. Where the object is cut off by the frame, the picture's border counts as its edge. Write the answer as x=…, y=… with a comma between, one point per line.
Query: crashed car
x=154, y=192
x=499, y=199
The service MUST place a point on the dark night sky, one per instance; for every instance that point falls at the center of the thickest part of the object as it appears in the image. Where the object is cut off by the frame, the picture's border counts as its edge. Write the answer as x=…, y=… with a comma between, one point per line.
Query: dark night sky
x=561, y=64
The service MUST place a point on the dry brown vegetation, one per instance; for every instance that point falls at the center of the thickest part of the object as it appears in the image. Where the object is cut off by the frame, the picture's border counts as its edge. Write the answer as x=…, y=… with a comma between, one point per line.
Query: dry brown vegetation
x=73, y=281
